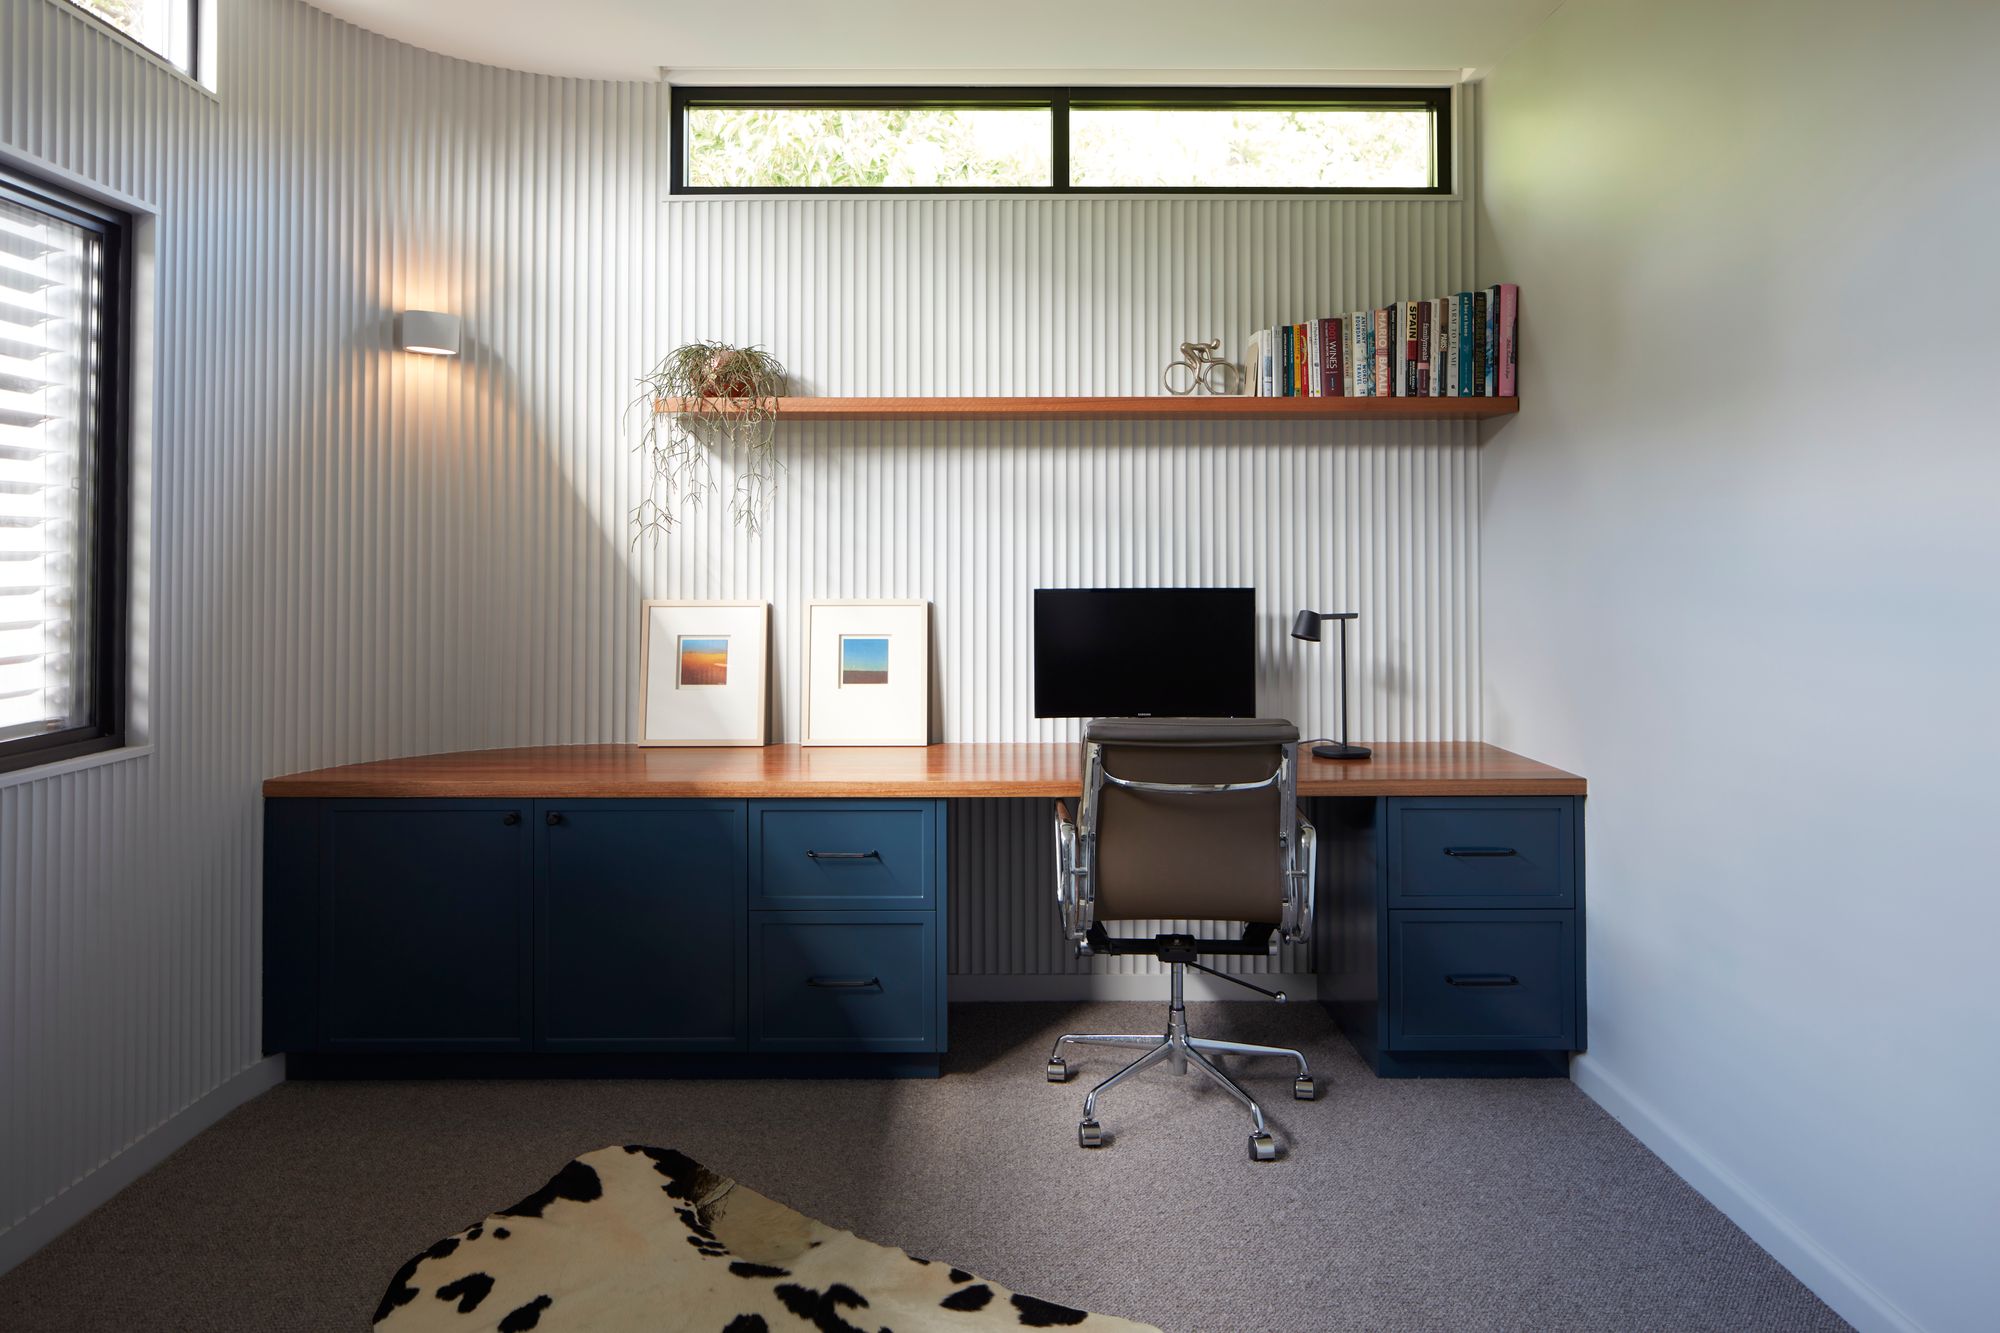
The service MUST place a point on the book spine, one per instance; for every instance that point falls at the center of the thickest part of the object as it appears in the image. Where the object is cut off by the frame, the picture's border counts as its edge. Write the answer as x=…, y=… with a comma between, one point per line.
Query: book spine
x=1411, y=349
x=1451, y=347
x=1423, y=386
x=1510, y=312
x=1465, y=344
x=1315, y=362
x=1384, y=386
x=1478, y=344
x=1284, y=373
x=1301, y=371
x=1364, y=353
x=1440, y=318
x=1353, y=335
x=1492, y=341
x=1329, y=338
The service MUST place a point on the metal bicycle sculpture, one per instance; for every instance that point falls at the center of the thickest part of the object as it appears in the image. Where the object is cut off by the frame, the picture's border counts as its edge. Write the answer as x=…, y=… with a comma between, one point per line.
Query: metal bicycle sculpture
x=1200, y=369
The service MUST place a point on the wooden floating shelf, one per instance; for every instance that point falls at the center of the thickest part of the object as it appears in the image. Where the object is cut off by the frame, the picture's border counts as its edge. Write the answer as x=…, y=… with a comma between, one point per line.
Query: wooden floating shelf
x=1156, y=408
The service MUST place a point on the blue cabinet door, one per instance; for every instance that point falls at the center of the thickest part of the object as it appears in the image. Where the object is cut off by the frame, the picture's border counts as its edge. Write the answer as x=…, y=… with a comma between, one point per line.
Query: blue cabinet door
x=1482, y=980
x=424, y=910
x=639, y=925
x=843, y=855
x=844, y=981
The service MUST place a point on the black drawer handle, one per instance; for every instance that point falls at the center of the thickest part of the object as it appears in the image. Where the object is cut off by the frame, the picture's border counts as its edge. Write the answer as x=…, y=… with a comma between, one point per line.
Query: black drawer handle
x=1479, y=851
x=844, y=983
x=511, y=818
x=555, y=819
x=843, y=856
x=1480, y=979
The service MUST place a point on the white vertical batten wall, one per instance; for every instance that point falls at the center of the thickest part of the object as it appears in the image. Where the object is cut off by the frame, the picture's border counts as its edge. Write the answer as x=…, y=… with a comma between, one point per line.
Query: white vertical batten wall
x=362, y=553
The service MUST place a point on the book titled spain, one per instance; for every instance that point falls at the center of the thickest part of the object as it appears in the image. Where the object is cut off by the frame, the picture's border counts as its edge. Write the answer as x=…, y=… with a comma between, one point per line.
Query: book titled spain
x=1510, y=313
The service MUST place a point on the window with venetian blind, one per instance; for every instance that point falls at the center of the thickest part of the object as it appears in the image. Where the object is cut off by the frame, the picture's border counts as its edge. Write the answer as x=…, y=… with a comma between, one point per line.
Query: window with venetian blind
x=64, y=275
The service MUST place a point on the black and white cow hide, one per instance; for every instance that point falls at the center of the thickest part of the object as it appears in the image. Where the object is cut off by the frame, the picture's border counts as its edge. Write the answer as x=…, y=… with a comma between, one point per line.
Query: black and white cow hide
x=648, y=1238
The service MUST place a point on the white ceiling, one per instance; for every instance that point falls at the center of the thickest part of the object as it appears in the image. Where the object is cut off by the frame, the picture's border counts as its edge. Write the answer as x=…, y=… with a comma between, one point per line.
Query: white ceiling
x=878, y=40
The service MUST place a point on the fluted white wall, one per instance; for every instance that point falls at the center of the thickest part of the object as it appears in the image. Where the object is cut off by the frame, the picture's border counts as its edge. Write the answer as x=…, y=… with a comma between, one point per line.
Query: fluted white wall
x=361, y=553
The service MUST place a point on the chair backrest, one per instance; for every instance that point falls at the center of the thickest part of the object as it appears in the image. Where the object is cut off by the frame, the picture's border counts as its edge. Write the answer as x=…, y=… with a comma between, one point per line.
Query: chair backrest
x=1219, y=854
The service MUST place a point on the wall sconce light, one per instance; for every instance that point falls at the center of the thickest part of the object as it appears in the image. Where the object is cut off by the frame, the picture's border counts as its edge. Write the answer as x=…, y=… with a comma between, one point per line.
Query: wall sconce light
x=431, y=332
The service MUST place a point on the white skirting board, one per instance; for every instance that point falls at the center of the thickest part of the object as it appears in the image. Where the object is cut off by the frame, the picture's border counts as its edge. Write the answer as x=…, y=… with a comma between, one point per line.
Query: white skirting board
x=1831, y=1280
x=1127, y=986
x=97, y=1186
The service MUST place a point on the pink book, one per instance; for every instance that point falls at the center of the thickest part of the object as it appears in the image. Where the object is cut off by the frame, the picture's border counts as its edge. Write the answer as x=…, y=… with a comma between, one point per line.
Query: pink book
x=1510, y=303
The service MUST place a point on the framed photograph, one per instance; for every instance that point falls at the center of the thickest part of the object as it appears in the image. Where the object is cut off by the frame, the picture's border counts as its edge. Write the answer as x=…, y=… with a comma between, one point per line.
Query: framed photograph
x=704, y=673
x=867, y=673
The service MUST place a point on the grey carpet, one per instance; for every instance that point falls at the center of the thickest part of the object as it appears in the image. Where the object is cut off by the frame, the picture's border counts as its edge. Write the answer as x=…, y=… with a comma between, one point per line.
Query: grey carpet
x=1441, y=1204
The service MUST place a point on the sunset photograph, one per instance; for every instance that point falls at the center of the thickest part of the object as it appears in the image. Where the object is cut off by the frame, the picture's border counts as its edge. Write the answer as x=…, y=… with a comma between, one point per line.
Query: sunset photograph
x=704, y=661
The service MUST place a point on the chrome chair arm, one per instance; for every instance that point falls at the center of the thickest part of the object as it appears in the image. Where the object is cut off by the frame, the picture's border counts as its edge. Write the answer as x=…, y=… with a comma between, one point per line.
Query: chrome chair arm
x=1074, y=898
x=1305, y=881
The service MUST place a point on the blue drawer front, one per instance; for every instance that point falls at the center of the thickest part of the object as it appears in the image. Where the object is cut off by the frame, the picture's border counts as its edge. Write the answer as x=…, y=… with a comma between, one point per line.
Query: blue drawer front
x=843, y=981
x=843, y=855
x=1483, y=853
x=1466, y=981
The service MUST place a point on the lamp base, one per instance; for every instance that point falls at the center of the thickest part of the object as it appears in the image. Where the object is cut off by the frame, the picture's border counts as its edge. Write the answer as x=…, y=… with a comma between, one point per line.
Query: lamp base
x=1336, y=750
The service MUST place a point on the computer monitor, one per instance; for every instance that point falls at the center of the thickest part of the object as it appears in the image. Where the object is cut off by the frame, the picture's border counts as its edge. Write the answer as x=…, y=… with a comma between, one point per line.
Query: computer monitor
x=1145, y=652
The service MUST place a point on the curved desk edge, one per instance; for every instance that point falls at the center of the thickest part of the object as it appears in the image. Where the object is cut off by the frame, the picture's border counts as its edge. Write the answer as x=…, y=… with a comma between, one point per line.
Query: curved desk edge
x=996, y=770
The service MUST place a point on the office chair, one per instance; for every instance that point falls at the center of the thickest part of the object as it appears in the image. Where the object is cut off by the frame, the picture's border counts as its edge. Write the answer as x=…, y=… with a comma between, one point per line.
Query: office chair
x=1185, y=819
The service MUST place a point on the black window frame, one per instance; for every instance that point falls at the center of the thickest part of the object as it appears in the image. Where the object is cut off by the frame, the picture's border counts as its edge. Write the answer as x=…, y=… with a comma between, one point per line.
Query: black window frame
x=107, y=590
x=1059, y=101
x=193, y=68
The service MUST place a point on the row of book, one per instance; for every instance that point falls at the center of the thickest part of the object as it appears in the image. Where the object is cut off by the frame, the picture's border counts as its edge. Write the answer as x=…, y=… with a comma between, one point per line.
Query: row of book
x=1448, y=347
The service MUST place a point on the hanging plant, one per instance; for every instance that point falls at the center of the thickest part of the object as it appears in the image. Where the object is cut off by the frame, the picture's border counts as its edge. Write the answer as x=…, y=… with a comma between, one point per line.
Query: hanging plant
x=704, y=402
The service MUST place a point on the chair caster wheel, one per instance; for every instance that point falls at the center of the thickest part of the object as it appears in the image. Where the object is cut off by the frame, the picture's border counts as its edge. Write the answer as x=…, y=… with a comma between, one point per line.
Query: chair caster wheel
x=1089, y=1134
x=1263, y=1148
x=1303, y=1088
x=1058, y=1071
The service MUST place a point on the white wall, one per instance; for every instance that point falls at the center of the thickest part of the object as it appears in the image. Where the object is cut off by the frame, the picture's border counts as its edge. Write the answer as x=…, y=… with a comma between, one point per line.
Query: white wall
x=364, y=554
x=1740, y=561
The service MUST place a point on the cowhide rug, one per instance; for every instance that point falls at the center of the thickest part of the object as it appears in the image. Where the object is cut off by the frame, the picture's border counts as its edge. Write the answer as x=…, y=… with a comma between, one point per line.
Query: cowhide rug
x=648, y=1238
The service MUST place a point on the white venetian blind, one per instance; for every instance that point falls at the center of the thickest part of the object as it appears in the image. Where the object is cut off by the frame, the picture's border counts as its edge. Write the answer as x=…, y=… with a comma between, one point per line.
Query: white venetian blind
x=50, y=295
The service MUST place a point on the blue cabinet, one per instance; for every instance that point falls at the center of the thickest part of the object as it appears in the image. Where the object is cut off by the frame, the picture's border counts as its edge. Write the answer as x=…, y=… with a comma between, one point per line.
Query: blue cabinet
x=638, y=916
x=1451, y=932
x=435, y=936
x=423, y=926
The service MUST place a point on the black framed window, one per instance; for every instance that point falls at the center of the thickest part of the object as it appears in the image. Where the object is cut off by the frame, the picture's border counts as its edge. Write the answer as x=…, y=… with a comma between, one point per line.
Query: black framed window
x=65, y=282
x=1061, y=140
x=170, y=29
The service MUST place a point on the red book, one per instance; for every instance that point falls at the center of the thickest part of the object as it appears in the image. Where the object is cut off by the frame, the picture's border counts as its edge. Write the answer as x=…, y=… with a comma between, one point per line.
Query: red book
x=1385, y=386
x=1423, y=349
x=1330, y=359
x=1510, y=310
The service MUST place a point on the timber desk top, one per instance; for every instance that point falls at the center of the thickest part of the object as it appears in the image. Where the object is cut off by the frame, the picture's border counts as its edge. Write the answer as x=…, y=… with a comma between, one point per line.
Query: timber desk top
x=1398, y=768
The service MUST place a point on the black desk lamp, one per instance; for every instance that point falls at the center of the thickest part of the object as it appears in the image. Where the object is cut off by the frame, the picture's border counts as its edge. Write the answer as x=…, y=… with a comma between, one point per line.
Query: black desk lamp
x=1305, y=625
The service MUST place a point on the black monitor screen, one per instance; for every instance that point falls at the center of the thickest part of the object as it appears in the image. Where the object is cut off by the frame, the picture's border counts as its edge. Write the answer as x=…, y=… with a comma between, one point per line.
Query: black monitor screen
x=1139, y=652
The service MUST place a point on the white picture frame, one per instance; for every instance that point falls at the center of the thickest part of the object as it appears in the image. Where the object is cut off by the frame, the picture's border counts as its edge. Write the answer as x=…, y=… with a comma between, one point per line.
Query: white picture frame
x=867, y=673
x=704, y=672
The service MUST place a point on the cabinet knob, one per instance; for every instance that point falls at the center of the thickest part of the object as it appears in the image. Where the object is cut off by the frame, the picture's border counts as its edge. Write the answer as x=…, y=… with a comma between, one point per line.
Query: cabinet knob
x=554, y=818
x=511, y=818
